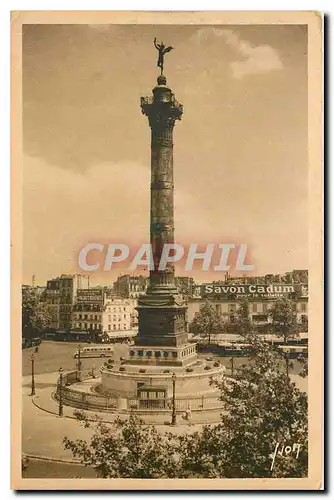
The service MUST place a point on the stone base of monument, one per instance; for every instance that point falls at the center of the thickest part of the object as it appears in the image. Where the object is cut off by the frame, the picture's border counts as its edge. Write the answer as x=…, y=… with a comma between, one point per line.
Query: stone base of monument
x=148, y=391
x=193, y=381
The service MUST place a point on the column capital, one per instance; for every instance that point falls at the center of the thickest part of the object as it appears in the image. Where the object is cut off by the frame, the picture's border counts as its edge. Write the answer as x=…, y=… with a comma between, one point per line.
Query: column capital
x=162, y=109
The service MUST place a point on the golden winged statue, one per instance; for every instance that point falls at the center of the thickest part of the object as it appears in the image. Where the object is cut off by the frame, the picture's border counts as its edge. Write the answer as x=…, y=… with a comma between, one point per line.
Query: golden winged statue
x=162, y=49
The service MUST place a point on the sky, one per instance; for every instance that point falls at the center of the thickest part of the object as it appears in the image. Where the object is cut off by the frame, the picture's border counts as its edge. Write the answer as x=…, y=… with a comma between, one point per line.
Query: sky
x=240, y=150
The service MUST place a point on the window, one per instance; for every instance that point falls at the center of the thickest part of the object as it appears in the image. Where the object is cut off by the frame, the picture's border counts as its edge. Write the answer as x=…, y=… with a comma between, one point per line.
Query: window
x=232, y=308
x=114, y=327
x=109, y=327
x=303, y=307
x=254, y=308
x=260, y=318
x=109, y=317
x=218, y=308
x=265, y=308
x=86, y=316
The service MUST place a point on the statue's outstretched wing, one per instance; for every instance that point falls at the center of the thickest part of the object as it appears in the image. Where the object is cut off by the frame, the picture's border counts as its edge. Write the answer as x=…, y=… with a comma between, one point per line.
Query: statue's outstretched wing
x=168, y=49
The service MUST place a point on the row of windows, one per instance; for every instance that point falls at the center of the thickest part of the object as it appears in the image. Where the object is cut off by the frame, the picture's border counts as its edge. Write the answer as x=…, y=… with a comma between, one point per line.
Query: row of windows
x=125, y=316
x=96, y=317
x=256, y=307
x=117, y=327
x=114, y=309
x=89, y=326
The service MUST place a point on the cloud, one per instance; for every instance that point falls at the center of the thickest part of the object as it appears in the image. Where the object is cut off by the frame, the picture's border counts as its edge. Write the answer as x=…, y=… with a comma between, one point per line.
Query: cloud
x=64, y=210
x=252, y=59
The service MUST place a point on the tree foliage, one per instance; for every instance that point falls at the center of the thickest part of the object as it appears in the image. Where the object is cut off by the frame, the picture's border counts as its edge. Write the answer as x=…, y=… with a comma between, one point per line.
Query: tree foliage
x=207, y=322
x=127, y=448
x=283, y=319
x=284, y=324
x=35, y=313
x=240, y=322
x=263, y=409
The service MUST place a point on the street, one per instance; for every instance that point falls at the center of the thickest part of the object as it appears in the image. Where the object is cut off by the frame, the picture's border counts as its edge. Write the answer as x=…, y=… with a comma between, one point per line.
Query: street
x=53, y=355
x=51, y=469
x=42, y=429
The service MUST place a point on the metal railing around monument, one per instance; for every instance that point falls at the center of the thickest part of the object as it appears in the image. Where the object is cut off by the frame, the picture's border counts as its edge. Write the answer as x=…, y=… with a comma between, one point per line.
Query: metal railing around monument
x=80, y=399
x=200, y=403
x=90, y=401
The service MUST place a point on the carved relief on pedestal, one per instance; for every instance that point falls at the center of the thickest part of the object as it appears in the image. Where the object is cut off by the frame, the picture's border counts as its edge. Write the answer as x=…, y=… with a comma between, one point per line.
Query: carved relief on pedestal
x=161, y=322
x=179, y=323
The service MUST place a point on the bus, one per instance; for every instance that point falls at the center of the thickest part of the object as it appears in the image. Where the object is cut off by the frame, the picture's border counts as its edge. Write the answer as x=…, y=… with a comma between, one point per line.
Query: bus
x=122, y=337
x=95, y=351
x=234, y=349
x=294, y=351
x=300, y=339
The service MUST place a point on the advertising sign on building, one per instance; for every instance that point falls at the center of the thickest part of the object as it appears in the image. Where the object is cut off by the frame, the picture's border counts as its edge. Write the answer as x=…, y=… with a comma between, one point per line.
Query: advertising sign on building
x=90, y=296
x=273, y=290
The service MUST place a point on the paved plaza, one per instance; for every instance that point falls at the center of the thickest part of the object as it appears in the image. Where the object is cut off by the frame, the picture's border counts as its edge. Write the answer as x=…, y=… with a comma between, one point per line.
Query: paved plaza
x=43, y=430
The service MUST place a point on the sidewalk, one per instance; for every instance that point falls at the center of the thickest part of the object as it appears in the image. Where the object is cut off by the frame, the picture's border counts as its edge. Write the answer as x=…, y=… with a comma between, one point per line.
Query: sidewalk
x=43, y=430
x=44, y=401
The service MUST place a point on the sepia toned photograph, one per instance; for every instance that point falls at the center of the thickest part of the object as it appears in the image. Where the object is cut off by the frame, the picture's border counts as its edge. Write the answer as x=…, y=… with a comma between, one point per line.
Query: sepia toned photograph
x=167, y=251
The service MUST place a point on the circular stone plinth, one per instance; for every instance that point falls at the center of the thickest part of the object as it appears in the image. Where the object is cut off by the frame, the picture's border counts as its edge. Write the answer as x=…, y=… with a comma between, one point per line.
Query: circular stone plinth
x=195, y=380
x=118, y=390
